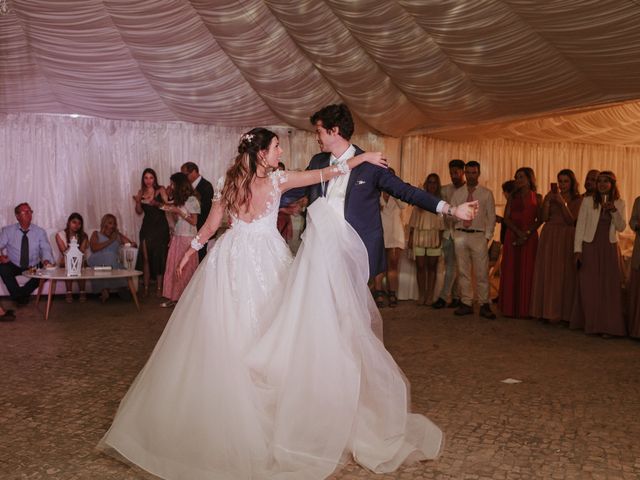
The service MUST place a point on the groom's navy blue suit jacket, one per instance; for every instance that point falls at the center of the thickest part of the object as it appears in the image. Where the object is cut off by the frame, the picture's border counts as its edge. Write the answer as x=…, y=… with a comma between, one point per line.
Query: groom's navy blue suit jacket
x=362, y=202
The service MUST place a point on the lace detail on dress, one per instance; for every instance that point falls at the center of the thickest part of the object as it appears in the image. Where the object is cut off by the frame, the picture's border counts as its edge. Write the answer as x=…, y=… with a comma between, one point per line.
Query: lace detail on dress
x=277, y=177
x=217, y=190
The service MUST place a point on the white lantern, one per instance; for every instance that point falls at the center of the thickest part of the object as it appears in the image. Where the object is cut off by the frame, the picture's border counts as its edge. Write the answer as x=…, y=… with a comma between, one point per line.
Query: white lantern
x=73, y=259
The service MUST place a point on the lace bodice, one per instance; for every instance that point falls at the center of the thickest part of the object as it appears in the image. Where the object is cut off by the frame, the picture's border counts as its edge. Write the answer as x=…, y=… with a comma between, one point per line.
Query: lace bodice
x=269, y=217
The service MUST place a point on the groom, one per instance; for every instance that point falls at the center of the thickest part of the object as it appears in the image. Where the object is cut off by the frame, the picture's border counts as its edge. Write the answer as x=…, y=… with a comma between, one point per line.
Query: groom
x=357, y=194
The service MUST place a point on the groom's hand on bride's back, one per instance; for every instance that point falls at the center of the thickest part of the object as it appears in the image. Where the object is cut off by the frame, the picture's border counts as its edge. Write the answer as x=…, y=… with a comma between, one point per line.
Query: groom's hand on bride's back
x=375, y=158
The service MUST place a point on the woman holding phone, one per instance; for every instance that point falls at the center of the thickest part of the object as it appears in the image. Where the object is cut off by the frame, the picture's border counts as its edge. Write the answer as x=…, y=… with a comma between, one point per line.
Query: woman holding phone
x=598, y=306
x=555, y=271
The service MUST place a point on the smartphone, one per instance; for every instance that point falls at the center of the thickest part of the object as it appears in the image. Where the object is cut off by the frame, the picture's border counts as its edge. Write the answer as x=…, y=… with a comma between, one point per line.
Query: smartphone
x=554, y=188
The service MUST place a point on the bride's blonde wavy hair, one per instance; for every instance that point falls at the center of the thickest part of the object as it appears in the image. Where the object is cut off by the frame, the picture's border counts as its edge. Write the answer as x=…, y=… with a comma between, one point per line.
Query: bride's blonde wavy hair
x=237, y=186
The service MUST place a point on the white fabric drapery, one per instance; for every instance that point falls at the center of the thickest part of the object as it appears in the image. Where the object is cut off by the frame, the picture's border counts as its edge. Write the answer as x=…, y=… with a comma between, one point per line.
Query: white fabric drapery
x=399, y=65
x=61, y=164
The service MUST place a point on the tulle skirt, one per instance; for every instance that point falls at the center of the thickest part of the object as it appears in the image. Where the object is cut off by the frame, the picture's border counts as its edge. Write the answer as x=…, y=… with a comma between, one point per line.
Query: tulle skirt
x=194, y=412
x=339, y=393
x=215, y=402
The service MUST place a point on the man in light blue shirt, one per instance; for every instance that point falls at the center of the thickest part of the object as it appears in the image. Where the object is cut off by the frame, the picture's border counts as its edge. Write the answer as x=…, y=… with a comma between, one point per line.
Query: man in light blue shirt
x=26, y=245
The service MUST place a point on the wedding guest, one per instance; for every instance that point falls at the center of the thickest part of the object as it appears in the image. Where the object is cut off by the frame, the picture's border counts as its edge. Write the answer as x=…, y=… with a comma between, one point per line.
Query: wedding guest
x=425, y=238
x=105, y=251
x=205, y=194
x=590, y=182
x=26, y=246
x=523, y=216
x=450, y=286
x=598, y=306
x=185, y=209
x=508, y=188
x=470, y=239
x=634, y=283
x=74, y=228
x=154, y=233
x=394, y=243
x=555, y=274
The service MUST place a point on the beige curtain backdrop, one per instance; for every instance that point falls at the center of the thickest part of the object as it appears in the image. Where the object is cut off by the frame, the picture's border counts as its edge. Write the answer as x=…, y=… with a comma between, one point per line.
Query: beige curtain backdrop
x=499, y=160
x=62, y=164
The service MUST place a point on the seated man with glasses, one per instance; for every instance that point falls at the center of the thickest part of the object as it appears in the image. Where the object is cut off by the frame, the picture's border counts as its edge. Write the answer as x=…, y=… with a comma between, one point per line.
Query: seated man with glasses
x=26, y=245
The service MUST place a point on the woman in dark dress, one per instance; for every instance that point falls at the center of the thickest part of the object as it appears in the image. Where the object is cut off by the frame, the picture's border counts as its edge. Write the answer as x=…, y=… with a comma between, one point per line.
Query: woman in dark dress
x=154, y=233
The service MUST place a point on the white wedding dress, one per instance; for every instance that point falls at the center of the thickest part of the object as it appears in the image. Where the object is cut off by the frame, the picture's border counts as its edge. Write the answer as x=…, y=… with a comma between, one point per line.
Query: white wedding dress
x=268, y=370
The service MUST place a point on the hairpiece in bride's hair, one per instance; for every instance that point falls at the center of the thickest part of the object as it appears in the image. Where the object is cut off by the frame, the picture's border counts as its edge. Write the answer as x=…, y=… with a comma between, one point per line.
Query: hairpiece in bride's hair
x=247, y=137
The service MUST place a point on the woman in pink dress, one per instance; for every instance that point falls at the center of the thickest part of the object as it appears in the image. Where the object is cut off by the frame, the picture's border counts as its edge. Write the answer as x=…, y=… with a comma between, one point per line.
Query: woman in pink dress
x=185, y=209
x=598, y=305
x=555, y=272
x=522, y=216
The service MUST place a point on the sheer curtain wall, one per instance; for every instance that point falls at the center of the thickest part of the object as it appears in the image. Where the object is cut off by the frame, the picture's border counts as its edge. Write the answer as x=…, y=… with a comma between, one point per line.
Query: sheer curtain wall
x=61, y=164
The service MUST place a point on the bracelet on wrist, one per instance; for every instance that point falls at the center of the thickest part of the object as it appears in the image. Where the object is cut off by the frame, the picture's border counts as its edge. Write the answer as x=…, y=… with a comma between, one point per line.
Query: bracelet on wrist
x=342, y=167
x=196, y=244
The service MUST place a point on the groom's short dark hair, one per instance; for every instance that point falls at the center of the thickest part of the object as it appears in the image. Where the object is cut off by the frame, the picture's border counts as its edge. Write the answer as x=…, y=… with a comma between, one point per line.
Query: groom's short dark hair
x=335, y=116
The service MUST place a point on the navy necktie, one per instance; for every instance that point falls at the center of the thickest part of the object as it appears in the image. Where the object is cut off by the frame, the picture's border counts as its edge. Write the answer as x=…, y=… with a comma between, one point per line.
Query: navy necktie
x=24, y=250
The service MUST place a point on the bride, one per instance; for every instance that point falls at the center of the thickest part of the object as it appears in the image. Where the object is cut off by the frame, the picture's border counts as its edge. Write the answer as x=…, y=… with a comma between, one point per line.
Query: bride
x=269, y=368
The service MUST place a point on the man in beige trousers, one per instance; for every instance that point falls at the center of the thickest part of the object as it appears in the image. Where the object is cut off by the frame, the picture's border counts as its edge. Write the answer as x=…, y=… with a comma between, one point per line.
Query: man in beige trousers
x=471, y=242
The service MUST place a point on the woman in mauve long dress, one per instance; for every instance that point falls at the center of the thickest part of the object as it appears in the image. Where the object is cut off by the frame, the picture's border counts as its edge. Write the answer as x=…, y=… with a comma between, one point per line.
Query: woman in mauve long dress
x=634, y=283
x=555, y=273
x=598, y=306
x=522, y=216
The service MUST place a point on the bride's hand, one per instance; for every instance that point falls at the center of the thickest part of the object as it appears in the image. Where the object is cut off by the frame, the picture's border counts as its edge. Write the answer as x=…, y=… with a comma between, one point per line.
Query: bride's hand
x=183, y=263
x=375, y=158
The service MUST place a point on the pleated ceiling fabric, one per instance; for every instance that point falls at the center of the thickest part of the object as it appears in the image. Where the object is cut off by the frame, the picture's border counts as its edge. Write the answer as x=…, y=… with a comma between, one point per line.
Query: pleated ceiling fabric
x=447, y=68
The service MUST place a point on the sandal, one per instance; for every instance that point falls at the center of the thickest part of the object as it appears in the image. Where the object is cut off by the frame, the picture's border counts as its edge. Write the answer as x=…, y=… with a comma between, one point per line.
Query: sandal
x=393, y=300
x=378, y=297
x=68, y=297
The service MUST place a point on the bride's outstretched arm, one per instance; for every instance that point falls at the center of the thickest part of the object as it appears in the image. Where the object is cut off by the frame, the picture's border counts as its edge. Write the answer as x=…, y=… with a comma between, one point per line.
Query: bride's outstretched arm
x=211, y=224
x=310, y=177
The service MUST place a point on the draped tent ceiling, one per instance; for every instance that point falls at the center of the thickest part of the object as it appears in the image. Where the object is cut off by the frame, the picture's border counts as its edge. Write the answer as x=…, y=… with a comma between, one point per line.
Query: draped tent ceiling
x=452, y=69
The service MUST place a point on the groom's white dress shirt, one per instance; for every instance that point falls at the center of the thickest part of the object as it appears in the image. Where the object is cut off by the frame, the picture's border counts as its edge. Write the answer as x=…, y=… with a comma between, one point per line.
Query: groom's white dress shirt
x=337, y=187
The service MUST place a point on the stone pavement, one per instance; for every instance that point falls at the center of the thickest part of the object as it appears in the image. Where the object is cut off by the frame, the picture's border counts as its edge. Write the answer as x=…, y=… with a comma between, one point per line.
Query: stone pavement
x=576, y=414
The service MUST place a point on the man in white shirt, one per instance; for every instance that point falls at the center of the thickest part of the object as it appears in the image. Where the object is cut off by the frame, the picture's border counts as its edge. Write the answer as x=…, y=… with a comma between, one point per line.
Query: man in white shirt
x=450, y=285
x=470, y=239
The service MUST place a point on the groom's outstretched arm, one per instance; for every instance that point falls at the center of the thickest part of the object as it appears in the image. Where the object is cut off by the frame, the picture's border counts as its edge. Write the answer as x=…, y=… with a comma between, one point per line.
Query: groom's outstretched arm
x=406, y=192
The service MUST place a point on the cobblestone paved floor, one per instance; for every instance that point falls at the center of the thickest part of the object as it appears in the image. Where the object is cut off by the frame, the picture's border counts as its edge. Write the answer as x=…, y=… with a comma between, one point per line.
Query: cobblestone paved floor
x=576, y=414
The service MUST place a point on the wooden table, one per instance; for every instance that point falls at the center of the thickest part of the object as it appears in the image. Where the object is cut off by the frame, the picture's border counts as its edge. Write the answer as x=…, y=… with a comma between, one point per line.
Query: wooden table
x=58, y=274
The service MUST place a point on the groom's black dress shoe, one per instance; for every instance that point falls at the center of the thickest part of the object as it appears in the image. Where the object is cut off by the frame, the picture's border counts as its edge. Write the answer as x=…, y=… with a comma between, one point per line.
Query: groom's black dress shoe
x=9, y=316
